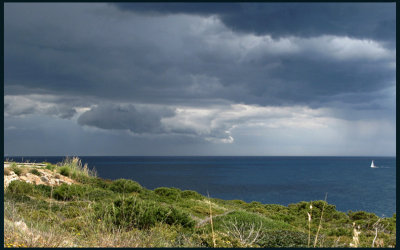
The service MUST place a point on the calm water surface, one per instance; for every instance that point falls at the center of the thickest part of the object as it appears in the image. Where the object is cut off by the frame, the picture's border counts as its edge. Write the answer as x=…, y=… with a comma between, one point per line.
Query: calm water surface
x=349, y=181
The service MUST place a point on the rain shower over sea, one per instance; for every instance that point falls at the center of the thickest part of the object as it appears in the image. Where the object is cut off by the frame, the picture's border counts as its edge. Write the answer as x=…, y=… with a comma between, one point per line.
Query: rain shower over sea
x=350, y=182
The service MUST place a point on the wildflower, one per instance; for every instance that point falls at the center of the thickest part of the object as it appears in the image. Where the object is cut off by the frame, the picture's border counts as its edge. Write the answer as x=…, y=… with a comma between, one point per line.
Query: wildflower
x=310, y=206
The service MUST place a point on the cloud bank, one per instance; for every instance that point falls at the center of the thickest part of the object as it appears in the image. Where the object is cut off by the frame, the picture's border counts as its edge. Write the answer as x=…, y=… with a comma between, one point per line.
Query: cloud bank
x=202, y=73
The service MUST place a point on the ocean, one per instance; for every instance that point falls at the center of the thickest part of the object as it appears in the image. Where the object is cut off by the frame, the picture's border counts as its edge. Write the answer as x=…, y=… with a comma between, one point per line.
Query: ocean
x=349, y=182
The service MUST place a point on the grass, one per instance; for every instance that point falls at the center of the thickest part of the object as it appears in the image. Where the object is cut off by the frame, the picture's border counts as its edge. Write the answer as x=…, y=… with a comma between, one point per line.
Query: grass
x=121, y=213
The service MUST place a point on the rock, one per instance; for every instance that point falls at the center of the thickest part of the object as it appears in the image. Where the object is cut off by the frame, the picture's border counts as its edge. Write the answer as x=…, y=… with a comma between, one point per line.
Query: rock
x=22, y=226
x=44, y=179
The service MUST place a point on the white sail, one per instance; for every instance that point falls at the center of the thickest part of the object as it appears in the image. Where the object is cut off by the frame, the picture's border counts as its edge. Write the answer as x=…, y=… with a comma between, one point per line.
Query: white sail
x=372, y=164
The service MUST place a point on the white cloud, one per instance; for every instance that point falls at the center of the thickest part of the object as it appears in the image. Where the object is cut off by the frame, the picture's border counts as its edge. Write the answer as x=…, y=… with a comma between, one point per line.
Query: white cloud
x=346, y=48
x=217, y=123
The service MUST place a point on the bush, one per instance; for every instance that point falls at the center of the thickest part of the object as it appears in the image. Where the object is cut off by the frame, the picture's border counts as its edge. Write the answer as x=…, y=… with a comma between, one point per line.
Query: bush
x=170, y=193
x=17, y=170
x=361, y=215
x=125, y=186
x=66, y=171
x=43, y=190
x=283, y=238
x=141, y=214
x=21, y=187
x=69, y=192
x=239, y=202
x=35, y=172
x=330, y=212
x=96, y=182
x=189, y=194
x=50, y=166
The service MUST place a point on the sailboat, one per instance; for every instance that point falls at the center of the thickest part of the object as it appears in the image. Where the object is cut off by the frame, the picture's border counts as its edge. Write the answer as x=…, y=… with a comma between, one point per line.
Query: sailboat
x=372, y=165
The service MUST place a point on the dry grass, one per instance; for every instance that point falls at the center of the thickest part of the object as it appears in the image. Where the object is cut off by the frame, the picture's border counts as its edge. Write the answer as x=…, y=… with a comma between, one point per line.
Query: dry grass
x=7, y=171
x=309, y=225
x=211, y=222
x=320, y=222
x=356, y=239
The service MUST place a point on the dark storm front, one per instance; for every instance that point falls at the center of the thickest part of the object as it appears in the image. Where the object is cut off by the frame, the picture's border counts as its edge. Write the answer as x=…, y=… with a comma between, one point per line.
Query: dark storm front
x=349, y=181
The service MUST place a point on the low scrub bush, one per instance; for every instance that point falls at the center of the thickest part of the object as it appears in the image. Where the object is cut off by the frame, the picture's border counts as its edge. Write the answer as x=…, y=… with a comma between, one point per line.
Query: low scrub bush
x=189, y=194
x=170, y=193
x=43, y=190
x=361, y=215
x=239, y=202
x=69, y=192
x=330, y=212
x=17, y=170
x=283, y=238
x=133, y=212
x=50, y=166
x=35, y=172
x=244, y=217
x=66, y=171
x=125, y=186
x=21, y=187
x=96, y=182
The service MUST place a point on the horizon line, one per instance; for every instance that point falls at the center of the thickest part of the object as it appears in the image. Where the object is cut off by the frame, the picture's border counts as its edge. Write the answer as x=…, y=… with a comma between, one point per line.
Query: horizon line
x=198, y=156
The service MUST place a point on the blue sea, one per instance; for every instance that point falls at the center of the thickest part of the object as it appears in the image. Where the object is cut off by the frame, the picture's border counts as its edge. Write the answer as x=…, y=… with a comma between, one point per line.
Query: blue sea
x=349, y=182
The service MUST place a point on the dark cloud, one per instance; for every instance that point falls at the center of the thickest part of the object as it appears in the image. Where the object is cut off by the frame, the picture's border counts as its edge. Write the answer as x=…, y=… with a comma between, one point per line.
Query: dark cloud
x=125, y=117
x=141, y=69
x=37, y=104
x=363, y=20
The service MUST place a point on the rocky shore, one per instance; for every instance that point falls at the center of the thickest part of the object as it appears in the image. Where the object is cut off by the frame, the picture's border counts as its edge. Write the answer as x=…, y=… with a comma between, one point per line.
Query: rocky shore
x=45, y=176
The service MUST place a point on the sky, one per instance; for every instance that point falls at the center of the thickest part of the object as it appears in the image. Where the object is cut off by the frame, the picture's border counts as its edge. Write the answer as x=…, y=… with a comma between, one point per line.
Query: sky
x=312, y=79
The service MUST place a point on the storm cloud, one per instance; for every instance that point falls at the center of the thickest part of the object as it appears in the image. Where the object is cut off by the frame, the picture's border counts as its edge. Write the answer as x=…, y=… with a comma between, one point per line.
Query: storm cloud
x=202, y=72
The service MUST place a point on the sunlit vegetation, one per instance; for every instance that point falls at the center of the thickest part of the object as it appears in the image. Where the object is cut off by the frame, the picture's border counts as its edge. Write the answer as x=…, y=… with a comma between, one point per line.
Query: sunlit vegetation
x=95, y=212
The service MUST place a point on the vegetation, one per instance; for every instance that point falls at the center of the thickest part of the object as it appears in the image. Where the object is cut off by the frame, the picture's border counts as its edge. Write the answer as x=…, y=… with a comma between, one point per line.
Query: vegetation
x=127, y=215
x=35, y=172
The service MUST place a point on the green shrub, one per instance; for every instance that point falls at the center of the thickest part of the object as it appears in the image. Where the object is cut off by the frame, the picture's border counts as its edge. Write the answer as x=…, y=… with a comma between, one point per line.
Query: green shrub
x=141, y=214
x=66, y=171
x=330, y=213
x=35, y=172
x=50, y=166
x=17, y=170
x=189, y=194
x=69, y=192
x=21, y=187
x=239, y=202
x=43, y=190
x=248, y=218
x=96, y=182
x=283, y=238
x=170, y=193
x=361, y=215
x=125, y=186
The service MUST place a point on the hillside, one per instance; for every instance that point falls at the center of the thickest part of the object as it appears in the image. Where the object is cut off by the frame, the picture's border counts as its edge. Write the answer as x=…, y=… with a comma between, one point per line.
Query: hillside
x=66, y=205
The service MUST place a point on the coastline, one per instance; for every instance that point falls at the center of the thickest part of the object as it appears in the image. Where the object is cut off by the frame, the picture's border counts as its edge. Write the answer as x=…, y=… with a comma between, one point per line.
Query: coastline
x=183, y=212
